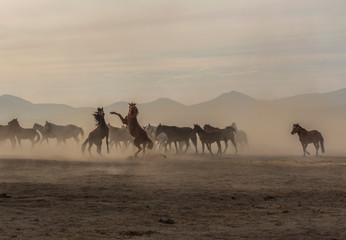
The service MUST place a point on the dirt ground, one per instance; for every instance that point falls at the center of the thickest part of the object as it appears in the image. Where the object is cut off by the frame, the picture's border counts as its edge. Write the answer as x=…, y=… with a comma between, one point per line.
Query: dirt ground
x=178, y=197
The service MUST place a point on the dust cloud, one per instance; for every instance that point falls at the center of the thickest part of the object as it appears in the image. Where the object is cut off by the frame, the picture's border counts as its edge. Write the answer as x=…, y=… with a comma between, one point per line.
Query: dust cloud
x=268, y=128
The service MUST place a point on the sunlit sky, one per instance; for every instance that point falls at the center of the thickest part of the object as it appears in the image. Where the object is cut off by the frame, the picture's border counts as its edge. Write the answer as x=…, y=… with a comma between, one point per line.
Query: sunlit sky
x=91, y=52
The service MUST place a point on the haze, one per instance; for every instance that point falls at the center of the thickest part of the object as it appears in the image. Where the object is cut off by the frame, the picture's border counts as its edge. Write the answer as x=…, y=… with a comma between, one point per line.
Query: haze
x=91, y=53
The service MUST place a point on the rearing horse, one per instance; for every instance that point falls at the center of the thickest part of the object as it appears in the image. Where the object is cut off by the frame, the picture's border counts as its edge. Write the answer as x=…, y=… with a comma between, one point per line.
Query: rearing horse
x=100, y=132
x=136, y=131
x=306, y=137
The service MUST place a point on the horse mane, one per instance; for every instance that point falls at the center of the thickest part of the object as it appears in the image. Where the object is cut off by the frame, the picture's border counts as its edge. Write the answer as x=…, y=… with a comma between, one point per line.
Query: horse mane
x=301, y=127
x=98, y=117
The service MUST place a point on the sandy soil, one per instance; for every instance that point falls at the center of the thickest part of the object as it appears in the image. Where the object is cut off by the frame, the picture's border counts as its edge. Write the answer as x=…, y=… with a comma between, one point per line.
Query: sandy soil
x=181, y=197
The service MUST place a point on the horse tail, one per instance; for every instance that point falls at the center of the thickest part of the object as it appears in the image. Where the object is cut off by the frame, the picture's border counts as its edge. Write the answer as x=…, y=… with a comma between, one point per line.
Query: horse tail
x=84, y=145
x=322, y=144
x=81, y=132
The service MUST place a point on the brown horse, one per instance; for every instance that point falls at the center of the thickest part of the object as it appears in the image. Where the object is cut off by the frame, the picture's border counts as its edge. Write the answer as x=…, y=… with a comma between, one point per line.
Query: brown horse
x=24, y=133
x=306, y=137
x=227, y=134
x=135, y=129
x=209, y=137
x=100, y=132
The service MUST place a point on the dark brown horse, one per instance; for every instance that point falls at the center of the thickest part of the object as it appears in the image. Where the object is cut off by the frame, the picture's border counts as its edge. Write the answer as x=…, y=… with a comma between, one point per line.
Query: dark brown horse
x=6, y=133
x=135, y=129
x=209, y=137
x=227, y=134
x=177, y=134
x=24, y=133
x=99, y=133
x=306, y=137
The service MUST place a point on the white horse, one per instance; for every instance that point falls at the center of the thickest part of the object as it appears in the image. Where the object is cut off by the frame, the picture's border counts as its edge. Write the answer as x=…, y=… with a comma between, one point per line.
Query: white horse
x=240, y=136
x=162, y=139
x=151, y=130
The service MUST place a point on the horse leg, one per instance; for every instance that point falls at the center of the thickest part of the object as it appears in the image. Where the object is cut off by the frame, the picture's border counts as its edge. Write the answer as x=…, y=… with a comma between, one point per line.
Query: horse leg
x=203, y=148
x=209, y=148
x=226, y=146
x=304, y=149
x=144, y=145
x=235, y=145
x=176, y=147
x=187, y=144
x=76, y=138
x=138, y=145
x=98, y=145
x=317, y=146
x=106, y=143
x=89, y=148
x=219, y=148
x=13, y=141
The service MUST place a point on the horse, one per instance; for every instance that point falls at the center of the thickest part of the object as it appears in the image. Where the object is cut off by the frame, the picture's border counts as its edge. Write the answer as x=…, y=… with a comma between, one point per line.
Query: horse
x=209, y=137
x=240, y=136
x=306, y=137
x=44, y=133
x=6, y=133
x=151, y=130
x=227, y=134
x=178, y=134
x=98, y=134
x=64, y=132
x=117, y=135
x=140, y=135
x=23, y=133
x=162, y=139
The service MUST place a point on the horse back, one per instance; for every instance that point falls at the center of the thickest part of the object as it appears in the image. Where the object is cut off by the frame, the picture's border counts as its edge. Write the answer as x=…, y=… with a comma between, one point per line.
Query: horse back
x=312, y=136
x=178, y=133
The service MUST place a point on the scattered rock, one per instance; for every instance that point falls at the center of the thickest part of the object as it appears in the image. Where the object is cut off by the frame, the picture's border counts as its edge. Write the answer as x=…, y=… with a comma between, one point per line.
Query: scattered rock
x=167, y=221
x=269, y=198
x=4, y=195
x=137, y=233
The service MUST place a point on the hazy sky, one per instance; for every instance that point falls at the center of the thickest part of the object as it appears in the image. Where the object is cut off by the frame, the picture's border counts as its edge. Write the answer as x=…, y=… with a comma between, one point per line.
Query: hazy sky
x=92, y=52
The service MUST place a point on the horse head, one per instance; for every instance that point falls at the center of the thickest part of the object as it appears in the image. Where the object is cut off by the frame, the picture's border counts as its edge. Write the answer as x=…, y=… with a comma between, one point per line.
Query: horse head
x=197, y=128
x=133, y=110
x=13, y=123
x=296, y=128
x=100, y=112
x=234, y=125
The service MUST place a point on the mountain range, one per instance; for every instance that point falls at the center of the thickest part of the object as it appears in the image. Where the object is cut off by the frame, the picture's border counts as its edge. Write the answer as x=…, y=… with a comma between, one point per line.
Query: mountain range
x=231, y=104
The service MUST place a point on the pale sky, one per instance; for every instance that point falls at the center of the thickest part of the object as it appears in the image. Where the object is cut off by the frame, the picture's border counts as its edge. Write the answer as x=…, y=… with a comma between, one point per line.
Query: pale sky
x=96, y=52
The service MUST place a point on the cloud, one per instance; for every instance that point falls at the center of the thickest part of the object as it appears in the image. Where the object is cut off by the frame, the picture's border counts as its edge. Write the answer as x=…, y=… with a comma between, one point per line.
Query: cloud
x=176, y=48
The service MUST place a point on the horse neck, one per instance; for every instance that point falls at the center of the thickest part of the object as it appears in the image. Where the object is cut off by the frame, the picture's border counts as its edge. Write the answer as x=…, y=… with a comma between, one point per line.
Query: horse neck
x=301, y=131
x=39, y=127
x=102, y=123
x=199, y=130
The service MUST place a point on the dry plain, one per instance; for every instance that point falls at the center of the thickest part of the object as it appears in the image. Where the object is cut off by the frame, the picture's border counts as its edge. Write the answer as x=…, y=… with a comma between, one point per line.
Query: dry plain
x=178, y=197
